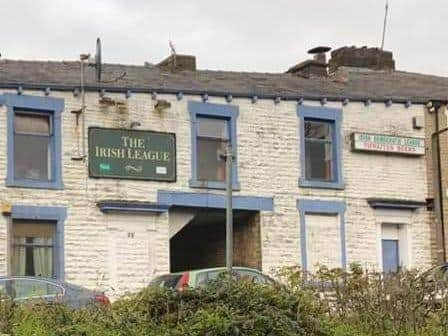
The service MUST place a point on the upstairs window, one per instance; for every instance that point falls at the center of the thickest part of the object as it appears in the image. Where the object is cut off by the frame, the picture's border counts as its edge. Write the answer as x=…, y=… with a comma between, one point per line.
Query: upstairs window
x=213, y=127
x=212, y=141
x=34, y=141
x=318, y=150
x=33, y=150
x=320, y=147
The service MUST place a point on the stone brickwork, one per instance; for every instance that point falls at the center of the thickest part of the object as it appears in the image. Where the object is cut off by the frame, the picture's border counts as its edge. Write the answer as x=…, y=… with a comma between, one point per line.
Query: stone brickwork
x=268, y=165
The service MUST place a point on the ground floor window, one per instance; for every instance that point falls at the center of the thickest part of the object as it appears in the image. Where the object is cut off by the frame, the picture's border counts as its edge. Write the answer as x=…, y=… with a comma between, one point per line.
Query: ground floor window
x=33, y=248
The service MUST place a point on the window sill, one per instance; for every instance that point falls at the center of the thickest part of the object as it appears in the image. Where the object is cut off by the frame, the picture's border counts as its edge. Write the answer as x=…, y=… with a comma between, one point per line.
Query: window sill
x=321, y=184
x=213, y=185
x=22, y=183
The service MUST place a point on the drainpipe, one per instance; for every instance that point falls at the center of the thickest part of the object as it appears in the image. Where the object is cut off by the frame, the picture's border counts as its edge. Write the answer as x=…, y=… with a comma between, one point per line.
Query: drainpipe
x=437, y=182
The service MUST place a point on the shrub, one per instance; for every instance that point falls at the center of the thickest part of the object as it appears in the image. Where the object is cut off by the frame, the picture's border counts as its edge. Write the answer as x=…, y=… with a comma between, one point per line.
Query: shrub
x=328, y=303
x=226, y=307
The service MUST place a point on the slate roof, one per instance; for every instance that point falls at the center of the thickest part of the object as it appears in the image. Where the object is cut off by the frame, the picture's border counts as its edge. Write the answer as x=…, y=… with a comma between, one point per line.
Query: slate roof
x=353, y=83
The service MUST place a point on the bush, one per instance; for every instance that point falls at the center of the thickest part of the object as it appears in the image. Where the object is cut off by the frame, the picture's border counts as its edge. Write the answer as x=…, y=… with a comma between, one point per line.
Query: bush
x=225, y=307
x=328, y=303
x=369, y=303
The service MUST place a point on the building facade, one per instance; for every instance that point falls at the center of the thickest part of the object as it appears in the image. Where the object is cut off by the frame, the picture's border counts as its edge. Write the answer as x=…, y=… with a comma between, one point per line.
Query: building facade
x=328, y=170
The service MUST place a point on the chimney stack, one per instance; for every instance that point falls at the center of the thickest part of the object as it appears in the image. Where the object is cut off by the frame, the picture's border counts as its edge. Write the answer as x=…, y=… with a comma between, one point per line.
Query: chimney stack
x=176, y=62
x=369, y=58
x=312, y=67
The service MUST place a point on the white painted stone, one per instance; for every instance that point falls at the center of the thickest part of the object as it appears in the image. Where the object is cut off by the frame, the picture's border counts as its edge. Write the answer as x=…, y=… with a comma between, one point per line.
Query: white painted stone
x=268, y=165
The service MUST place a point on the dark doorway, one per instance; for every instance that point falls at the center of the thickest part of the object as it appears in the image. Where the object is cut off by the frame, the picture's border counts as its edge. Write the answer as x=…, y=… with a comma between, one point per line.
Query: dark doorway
x=201, y=243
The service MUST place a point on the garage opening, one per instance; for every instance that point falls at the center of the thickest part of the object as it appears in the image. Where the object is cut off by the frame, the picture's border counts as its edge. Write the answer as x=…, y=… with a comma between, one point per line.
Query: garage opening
x=201, y=242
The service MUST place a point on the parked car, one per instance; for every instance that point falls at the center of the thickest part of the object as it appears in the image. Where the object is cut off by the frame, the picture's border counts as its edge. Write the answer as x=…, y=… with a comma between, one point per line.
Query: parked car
x=199, y=278
x=28, y=289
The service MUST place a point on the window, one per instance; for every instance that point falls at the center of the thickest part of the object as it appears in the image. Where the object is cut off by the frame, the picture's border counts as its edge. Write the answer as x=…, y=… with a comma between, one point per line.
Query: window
x=32, y=288
x=32, y=146
x=320, y=147
x=33, y=248
x=212, y=140
x=213, y=128
x=36, y=239
x=318, y=150
x=34, y=141
x=322, y=233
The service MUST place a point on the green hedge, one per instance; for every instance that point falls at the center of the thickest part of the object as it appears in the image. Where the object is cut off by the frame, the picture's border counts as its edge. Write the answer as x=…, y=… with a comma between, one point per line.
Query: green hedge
x=330, y=303
x=223, y=308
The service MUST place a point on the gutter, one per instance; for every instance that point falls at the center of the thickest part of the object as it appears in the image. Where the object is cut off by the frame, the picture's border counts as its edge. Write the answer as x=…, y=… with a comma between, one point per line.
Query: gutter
x=438, y=186
x=164, y=90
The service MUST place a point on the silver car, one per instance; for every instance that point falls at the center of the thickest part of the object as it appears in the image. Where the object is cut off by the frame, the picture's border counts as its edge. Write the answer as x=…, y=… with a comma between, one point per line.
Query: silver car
x=29, y=289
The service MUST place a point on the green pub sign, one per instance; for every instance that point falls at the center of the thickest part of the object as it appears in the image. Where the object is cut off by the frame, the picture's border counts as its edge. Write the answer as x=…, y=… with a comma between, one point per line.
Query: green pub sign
x=132, y=154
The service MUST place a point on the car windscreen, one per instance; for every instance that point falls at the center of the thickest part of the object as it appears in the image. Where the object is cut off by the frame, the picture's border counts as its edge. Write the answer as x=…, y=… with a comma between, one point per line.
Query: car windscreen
x=167, y=281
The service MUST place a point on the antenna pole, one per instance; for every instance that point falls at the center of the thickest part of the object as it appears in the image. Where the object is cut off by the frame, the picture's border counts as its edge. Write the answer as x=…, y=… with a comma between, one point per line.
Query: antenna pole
x=385, y=23
x=83, y=107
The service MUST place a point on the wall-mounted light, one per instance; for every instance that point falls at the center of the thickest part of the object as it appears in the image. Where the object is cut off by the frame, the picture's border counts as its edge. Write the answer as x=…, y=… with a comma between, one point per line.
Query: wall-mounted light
x=154, y=95
x=162, y=105
x=134, y=124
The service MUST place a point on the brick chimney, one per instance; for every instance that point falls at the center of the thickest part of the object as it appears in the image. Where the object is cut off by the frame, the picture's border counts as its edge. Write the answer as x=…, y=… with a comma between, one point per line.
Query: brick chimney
x=178, y=63
x=370, y=58
x=312, y=67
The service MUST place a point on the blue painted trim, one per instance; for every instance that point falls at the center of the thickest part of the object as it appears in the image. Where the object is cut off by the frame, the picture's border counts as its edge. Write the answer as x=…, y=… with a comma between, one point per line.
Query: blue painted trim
x=58, y=214
x=306, y=206
x=206, y=200
x=327, y=114
x=229, y=112
x=52, y=106
x=140, y=207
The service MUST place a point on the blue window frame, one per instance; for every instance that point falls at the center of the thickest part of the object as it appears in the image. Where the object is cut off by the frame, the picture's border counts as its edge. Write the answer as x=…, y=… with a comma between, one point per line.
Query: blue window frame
x=37, y=106
x=326, y=123
x=337, y=208
x=200, y=111
x=37, y=214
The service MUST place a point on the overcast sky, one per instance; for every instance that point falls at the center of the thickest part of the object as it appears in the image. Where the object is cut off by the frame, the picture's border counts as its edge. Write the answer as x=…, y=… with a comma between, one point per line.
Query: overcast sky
x=240, y=35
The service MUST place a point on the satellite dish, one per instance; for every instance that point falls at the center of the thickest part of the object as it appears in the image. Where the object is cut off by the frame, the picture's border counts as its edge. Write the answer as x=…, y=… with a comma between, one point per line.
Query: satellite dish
x=98, y=60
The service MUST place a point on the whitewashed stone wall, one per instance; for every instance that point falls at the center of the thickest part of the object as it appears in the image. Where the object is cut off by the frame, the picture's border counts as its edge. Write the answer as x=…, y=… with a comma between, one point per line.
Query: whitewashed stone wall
x=268, y=165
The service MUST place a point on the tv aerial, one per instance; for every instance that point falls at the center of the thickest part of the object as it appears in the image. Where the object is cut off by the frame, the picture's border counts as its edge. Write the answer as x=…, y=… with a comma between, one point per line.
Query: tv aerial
x=97, y=63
